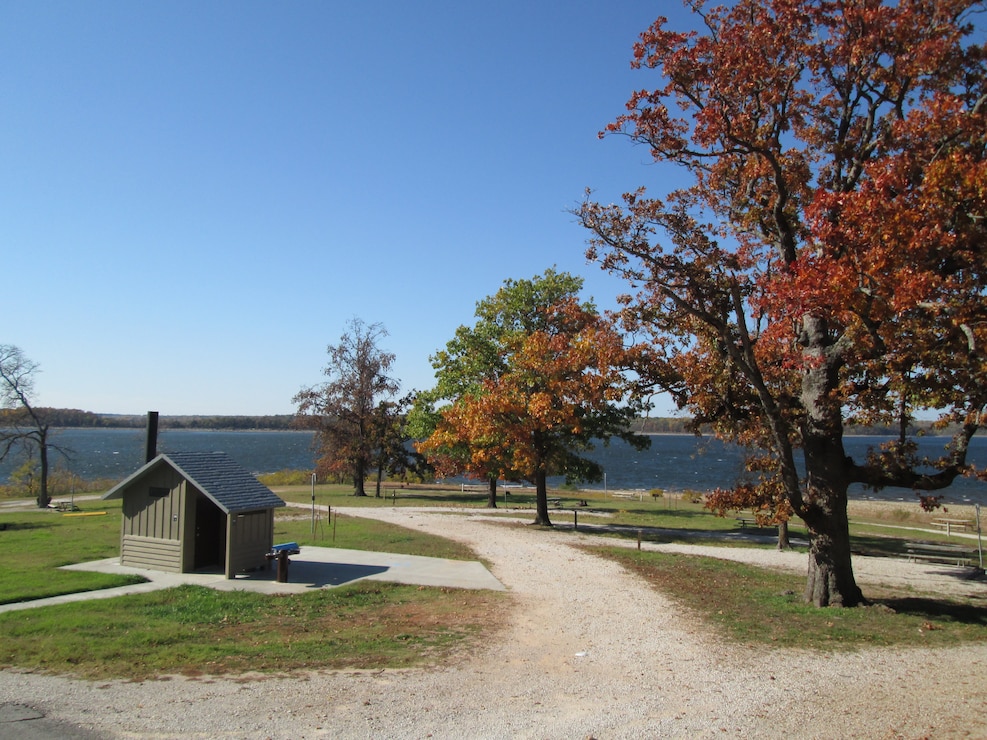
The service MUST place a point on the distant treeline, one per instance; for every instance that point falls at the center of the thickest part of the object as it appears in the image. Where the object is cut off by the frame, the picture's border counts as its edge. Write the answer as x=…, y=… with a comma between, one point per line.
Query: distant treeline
x=82, y=419
x=79, y=419
x=683, y=425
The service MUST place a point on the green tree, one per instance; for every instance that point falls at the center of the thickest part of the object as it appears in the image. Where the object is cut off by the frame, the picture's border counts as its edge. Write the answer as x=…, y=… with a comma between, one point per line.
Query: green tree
x=346, y=410
x=825, y=264
x=392, y=454
x=536, y=381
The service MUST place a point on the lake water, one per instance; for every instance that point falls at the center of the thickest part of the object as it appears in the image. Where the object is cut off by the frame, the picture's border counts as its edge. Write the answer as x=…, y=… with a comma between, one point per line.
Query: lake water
x=674, y=462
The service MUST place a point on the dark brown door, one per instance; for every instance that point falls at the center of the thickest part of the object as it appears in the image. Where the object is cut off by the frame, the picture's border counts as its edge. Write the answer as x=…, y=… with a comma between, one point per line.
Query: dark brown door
x=210, y=535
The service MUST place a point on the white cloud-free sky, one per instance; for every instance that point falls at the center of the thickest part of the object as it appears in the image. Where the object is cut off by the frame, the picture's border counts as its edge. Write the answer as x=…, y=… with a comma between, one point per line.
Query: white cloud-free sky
x=198, y=196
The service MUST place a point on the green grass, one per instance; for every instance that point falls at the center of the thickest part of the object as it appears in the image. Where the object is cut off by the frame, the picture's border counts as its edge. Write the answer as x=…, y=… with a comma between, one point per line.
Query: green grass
x=193, y=630
x=757, y=606
x=33, y=544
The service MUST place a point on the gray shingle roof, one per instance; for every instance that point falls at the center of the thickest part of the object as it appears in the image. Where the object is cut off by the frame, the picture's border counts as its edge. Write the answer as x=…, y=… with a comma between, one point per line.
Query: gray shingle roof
x=215, y=474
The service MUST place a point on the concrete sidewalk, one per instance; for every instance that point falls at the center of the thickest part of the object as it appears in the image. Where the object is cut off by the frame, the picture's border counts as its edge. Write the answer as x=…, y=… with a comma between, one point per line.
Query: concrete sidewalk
x=313, y=568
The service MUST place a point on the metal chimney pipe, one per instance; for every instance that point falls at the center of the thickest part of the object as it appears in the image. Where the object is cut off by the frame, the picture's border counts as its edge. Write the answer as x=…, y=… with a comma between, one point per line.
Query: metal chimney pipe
x=151, y=440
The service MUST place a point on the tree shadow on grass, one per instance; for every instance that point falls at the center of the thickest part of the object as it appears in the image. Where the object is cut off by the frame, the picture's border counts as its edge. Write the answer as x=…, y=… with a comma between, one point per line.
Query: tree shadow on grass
x=939, y=610
x=21, y=526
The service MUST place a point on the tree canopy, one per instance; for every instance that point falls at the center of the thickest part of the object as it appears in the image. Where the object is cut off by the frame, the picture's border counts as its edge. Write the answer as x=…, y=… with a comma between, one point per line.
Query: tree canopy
x=826, y=265
x=536, y=381
x=345, y=411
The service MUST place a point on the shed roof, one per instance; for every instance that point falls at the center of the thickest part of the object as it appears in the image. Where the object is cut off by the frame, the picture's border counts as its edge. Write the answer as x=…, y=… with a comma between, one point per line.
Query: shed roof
x=217, y=475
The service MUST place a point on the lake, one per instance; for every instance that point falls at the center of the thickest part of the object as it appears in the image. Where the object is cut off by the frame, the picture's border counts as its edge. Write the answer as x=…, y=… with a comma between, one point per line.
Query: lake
x=675, y=462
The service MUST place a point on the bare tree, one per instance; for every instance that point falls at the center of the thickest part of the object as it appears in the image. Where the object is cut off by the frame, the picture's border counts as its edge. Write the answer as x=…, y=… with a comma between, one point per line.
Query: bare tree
x=344, y=411
x=30, y=428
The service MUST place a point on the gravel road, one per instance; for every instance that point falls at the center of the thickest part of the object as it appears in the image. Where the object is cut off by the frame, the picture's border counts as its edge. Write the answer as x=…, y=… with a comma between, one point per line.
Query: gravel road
x=587, y=651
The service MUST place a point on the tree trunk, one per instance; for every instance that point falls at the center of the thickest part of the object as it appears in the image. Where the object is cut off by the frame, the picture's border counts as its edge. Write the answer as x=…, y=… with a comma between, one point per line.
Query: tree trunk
x=783, y=541
x=827, y=474
x=541, y=500
x=492, y=498
x=359, y=480
x=830, y=579
x=43, y=498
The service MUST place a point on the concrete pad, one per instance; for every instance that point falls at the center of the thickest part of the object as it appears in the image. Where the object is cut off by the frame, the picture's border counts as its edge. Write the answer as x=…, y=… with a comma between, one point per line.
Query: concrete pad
x=314, y=567
x=321, y=567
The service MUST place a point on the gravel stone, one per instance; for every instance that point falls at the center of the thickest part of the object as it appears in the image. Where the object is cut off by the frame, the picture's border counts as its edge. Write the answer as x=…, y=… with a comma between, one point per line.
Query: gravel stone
x=588, y=651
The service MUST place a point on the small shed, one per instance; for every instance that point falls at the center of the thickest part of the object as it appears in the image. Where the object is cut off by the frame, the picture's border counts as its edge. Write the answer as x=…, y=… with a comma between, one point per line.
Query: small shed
x=190, y=511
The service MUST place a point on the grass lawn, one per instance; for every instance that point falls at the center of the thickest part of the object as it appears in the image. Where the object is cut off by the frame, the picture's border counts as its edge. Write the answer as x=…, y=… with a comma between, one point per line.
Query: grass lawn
x=192, y=630
x=33, y=544
x=759, y=606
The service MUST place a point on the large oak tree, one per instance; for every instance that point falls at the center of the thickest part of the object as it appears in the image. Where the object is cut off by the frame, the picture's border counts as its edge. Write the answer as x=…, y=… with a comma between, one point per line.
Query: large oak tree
x=825, y=263
x=537, y=381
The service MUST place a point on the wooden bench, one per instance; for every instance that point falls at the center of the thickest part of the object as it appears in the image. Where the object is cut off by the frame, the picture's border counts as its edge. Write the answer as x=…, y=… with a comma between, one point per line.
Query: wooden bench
x=556, y=502
x=940, y=552
x=951, y=524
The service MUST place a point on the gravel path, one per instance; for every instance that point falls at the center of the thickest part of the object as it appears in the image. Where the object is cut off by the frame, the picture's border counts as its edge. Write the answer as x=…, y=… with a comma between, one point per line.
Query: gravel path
x=589, y=651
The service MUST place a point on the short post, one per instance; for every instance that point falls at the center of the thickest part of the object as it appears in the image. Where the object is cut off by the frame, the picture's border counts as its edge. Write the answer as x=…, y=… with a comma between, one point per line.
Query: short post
x=282, y=576
x=639, y=539
x=575, y=520
x=980, y=544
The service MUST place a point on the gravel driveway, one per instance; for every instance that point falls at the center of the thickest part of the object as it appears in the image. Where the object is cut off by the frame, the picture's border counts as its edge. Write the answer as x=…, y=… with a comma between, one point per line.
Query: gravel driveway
x=588, y=651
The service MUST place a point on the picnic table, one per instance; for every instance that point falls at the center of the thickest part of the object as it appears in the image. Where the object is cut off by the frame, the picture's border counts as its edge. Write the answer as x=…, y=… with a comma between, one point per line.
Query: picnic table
x=63, y=506
x=749, y=521
x=951, y=524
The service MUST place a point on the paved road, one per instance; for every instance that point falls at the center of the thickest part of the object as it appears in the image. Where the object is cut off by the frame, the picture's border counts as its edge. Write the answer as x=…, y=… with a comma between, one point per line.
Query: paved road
x=27, y=723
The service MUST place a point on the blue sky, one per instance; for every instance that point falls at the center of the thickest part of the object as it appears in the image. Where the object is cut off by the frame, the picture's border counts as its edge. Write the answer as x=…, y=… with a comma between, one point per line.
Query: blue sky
x=198, y=196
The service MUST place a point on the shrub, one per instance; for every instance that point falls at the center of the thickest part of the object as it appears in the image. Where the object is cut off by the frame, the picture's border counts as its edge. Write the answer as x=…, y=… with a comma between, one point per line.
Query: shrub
x=692, y=497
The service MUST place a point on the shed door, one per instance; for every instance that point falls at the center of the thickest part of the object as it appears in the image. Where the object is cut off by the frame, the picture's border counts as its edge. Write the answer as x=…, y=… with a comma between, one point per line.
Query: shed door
x=210, y=535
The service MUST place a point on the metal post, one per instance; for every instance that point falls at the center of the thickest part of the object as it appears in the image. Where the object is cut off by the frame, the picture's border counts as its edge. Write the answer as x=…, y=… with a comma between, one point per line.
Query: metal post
x=313, y=504
x=980, y=544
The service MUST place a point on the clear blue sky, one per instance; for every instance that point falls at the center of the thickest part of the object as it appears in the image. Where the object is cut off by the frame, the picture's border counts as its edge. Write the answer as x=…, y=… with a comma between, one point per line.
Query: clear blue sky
x=198, y=196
